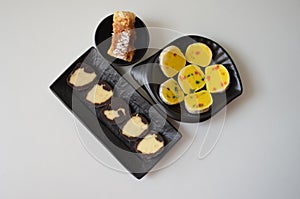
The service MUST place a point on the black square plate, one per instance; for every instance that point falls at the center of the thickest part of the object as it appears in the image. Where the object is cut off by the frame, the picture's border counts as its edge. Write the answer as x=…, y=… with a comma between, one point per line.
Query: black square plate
x=149, y=75
x=107, y=134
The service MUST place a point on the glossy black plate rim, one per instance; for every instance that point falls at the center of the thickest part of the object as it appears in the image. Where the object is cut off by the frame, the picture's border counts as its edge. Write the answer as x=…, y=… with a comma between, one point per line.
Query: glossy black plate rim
x=141, y=72
x=103, y=36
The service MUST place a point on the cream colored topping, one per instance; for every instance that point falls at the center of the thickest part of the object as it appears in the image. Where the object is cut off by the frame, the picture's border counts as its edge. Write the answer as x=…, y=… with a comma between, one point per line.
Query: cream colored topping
x=198, y=102
x=134, y=127
x=113, y=114
x=98, y=94
x=168, y=71
x=198, y=53
x=217, y=78
x=150, y=144
x=81, y=78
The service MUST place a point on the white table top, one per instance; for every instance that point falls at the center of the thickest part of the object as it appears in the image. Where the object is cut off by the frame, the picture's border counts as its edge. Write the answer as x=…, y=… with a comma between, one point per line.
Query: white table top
x=42, y=155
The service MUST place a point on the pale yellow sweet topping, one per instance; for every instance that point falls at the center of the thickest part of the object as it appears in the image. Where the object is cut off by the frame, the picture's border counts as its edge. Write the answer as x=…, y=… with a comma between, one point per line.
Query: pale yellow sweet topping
x=198, y=102
x=198, y=53
x=81, y=78
x=134, y=127
x=98, y=95
x=217, y=78
x=150, y=144
x=113, y=114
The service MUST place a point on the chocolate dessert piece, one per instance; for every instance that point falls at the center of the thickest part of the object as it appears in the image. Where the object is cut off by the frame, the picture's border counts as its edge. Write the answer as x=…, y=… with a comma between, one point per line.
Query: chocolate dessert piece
x=135, y=127
x=150, y=145
x=116, y=112
x=82, y=76
x=100, y=94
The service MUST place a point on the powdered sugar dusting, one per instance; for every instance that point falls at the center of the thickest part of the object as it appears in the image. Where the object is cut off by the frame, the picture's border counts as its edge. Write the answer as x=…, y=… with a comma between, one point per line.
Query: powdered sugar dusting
x=122, y=44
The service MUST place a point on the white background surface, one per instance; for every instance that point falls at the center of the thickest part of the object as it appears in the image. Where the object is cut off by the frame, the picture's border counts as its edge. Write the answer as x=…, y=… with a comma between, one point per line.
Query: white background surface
x=258, y=155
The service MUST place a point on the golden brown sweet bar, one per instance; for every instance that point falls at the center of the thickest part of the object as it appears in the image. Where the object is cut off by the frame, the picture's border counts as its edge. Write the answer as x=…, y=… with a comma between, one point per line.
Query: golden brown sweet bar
x=123, y=37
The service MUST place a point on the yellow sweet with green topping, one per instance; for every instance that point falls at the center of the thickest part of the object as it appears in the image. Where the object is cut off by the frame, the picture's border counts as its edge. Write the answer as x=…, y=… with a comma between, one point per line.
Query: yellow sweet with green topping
x=170, y=92
x=191, y=79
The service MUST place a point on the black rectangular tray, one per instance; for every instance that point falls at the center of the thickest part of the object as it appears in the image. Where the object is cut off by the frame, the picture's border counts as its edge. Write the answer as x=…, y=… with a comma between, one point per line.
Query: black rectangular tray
x=109, y=135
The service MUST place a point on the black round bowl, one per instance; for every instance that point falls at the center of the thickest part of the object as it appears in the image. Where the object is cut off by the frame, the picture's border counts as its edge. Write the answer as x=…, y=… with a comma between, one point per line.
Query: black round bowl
x=103, y=37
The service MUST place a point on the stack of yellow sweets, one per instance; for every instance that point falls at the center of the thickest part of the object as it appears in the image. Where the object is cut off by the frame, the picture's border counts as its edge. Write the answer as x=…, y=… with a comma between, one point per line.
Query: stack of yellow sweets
x=191, y=80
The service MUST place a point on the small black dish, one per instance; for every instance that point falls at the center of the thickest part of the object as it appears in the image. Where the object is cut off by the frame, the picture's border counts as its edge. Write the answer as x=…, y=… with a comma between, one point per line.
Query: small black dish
x=149, y=75
x=103, y=41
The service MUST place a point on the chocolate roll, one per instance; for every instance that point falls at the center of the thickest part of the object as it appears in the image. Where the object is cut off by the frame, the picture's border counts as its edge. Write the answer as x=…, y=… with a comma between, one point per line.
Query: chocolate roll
x=135, y=127
x=116, y=112
x=82, y=76
x=100, y=94
x=150, y=145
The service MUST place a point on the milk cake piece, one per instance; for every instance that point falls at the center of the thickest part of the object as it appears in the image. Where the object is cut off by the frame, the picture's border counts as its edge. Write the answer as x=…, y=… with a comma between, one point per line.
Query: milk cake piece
x=123, y=37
